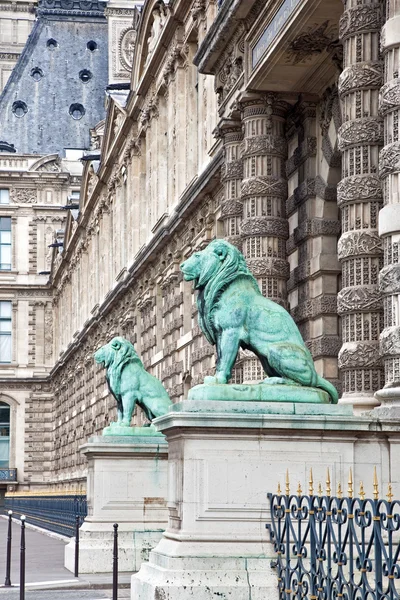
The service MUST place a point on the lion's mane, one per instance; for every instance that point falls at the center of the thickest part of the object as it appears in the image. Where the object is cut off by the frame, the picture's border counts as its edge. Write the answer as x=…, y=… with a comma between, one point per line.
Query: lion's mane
x=233, y=267
x=123, y=356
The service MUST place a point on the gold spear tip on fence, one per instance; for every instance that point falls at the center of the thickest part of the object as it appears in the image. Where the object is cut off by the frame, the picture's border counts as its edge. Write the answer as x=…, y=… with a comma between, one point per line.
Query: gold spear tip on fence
x=287, y=483
x=320, y=490
x=311, y=484
x=339, y=490
x=376, y=488
x=361, y=492
x=299, y=490
x=279, y=491
x=389, y=495
x=350, y=482
x=328, y=483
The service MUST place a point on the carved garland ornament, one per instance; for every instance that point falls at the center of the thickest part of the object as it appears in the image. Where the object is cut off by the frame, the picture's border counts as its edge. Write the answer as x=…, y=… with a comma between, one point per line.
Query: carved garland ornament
x=359, y=298
x=367, y=130
x=360, y=355
x=363, y=75
x=358, y=188
x=359, y=243
x=365, y=18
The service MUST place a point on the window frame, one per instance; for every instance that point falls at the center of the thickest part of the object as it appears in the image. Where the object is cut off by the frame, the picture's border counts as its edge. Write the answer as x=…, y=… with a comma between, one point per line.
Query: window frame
x=5, y=244
x=8, y=333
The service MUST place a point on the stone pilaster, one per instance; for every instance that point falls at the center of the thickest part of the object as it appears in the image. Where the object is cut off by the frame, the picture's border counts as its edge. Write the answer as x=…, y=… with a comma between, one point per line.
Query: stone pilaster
x=389, y=216
x=232, y=173
x=359, y=197
x=264, y=228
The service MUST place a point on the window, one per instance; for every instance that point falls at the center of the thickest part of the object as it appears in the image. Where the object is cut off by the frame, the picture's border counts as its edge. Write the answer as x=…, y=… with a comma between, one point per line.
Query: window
x=5, y=332
x=76, y=111
x=4, y=435
x=4, y=196
x=5, y=243
x=19, y=108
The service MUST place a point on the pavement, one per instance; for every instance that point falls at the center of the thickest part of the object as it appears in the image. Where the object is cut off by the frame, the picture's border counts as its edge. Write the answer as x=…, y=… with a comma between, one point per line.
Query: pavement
x=45, y=575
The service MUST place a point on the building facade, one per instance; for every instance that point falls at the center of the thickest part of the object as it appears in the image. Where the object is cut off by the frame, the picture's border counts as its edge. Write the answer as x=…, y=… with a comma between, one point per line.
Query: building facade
x=272, y=124
x=16, y=21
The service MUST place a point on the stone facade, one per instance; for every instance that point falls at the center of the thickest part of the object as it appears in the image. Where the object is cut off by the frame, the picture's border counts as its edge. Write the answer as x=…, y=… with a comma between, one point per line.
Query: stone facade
x=279, y=134
x=16, y=21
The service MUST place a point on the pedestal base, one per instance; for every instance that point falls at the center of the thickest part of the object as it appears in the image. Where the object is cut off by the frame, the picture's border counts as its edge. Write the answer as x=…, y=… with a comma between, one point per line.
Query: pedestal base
x=259, y=392
x=127, y=484
x=223, y=460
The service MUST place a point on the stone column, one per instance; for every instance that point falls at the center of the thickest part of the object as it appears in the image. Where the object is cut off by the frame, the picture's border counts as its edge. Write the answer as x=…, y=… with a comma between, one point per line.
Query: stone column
x=389, y=216
x=359, y=197
x=264, y=228
x=232, y=208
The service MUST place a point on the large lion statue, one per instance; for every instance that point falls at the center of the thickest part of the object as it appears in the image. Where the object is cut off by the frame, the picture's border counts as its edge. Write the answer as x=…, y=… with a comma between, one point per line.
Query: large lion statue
x=130, y=383
x=233, y=313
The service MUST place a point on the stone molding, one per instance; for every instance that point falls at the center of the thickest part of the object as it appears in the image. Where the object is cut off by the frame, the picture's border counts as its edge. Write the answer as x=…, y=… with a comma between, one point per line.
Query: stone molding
x=368, y=75
x=364, y=131
x=361, y=19
x=268, y=226
x=359, y=298
x=359, y=355
x=359, y=243
x=359, y=188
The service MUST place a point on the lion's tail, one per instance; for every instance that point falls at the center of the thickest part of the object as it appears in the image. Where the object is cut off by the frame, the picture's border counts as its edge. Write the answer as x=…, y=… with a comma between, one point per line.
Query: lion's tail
x=328, y=387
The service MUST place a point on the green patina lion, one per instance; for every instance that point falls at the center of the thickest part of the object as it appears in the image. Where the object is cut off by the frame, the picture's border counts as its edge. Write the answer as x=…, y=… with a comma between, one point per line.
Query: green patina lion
x=233, y=313
x=130, y=383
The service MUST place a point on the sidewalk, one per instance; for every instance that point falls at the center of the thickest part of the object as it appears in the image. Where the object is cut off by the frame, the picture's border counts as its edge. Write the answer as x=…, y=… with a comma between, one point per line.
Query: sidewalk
x=44, y=559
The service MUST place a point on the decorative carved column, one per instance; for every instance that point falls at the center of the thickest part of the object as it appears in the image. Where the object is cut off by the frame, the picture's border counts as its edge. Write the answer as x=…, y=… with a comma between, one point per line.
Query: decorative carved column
x=359, y=197
x=264, y=227
x=389, y=216
x=232, y=174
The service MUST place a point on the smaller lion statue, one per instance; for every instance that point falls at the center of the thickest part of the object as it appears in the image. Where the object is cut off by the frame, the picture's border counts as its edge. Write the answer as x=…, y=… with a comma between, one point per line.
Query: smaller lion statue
x=130, y=383
x=233, y=313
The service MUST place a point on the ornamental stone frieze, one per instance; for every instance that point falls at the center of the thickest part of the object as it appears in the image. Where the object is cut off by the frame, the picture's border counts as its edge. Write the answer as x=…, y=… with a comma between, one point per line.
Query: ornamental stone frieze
x=367, y=130
x=264, y=185
x=359, y=298
x=389, y=159
x=360, y=138
x=267, y=226
x=359, y=188
x=359, y=243
x=389, y=279
x=358, y=76
x=366, y=18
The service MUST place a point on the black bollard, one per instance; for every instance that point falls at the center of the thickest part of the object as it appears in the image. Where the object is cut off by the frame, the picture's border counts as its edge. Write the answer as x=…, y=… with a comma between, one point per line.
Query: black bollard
x=76, y=546
x=7, y=582
x=115, y=563
x=22, y=561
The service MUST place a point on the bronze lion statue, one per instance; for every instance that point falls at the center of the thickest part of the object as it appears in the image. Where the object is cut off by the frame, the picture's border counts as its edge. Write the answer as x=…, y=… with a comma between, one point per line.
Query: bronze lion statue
x=233, y=313
x=130, y=383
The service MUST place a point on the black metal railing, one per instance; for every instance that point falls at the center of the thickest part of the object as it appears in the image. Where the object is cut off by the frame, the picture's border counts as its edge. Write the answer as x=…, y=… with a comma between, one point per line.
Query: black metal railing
x=334, y=547
x=8, y=474
x=54, y=512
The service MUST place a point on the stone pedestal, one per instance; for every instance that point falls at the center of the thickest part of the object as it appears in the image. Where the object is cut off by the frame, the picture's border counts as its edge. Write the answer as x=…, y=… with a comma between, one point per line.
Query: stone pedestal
x=126, y=484
x=224, y=457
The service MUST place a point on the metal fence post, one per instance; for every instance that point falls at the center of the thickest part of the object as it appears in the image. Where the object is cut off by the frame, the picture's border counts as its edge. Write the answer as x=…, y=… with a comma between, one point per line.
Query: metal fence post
x=7, y=582
x=22, y=561
x=76, y=573
x=115, y=563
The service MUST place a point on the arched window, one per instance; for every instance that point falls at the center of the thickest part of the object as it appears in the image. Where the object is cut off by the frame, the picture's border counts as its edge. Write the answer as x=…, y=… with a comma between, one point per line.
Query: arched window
x=4, y=435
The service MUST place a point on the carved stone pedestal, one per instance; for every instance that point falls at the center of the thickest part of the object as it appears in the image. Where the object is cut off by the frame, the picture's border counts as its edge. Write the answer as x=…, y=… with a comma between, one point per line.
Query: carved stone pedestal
x=224, y=457
x=126, y=484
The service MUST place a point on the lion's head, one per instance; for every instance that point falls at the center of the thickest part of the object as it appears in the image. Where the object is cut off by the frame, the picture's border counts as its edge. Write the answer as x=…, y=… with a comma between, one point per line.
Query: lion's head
x=118, y=351
x=212, y=270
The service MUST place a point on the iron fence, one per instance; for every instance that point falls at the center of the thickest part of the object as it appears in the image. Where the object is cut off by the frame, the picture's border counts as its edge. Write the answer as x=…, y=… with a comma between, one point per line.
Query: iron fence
x=332, y=547
x=54, y=512
x=8, y=474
